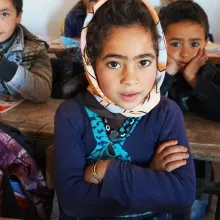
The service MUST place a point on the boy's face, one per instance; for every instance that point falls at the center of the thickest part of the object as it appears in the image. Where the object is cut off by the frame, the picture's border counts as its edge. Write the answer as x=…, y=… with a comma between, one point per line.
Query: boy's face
x=8, y=19
x=184, y=40
x=127, y=65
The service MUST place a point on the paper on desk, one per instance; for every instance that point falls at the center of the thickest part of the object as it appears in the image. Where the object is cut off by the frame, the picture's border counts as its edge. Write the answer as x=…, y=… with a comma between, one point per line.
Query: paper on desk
x=65, y=42
x=69, y=42
x=212, y=47
x=62, y=41
x=8, y=102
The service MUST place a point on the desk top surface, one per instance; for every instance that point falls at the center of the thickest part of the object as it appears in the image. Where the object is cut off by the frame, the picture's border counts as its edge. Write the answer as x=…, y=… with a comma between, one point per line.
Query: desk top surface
x=55, y=46
x=37, y=120
x=1, y=218
x=33, y=119
x=204, y=137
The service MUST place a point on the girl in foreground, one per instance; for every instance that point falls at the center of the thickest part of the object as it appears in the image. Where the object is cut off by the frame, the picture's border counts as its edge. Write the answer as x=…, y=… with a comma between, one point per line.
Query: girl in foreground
x=121, y=150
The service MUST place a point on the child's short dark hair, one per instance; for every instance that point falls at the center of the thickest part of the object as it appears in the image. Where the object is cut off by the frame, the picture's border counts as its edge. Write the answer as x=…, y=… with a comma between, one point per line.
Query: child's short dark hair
x=118, y=13
x=18, y=4
x=181, y=11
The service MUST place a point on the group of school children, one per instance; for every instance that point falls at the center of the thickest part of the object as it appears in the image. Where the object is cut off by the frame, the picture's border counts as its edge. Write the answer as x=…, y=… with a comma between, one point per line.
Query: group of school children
x=120, y=145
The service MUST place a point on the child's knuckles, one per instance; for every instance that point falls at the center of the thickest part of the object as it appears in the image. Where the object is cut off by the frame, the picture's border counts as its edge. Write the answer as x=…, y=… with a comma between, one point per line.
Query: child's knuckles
x=175, y=149
x=162, y=147
x=174, y=165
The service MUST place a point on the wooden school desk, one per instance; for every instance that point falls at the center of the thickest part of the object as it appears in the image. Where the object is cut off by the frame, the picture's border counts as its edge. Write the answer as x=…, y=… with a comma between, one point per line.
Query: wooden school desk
x=213, y=52
x=37, y=120
x=214, y=57
x=204, y=137
x=55, y=44
x=1, y=218
x=56, y=47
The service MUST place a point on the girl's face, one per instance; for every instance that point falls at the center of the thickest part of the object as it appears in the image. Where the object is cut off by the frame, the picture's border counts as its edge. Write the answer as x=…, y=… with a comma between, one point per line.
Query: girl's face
x=127, y=65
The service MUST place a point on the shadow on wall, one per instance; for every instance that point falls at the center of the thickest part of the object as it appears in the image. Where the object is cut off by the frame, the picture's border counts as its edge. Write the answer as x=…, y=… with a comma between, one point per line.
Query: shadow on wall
x=58, y=15
x=54, y=23
x=162, y=3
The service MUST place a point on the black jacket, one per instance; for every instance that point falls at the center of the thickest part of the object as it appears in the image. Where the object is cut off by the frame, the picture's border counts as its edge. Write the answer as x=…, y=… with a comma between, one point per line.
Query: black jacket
x=203, y=99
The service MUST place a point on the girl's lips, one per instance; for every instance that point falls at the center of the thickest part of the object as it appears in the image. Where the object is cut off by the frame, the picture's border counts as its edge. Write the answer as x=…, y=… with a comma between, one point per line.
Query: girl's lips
x=129, y=96
x=182, y=64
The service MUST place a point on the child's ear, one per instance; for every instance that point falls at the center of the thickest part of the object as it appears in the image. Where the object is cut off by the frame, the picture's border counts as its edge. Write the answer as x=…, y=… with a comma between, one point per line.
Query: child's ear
x=18, y=19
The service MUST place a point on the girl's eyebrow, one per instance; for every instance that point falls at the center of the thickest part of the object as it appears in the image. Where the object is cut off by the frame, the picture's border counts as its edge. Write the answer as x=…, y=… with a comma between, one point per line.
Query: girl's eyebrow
x=195, y=39
x=146, y=55
x=112, y=55
x=118, y=56
x=176, y=38
x=4, y=9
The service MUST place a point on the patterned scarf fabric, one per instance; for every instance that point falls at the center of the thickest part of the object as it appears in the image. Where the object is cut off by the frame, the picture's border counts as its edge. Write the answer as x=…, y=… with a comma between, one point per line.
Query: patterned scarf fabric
x=151, y=99
x=7, y=44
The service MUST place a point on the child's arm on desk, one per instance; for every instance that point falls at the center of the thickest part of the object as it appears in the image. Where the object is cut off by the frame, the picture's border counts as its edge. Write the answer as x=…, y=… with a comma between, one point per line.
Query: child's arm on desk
x=34, y=83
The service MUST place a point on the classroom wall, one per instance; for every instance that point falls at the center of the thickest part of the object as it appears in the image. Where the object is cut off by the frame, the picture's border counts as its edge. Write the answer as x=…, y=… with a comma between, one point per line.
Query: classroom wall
x=213, y=10
x=45, y=16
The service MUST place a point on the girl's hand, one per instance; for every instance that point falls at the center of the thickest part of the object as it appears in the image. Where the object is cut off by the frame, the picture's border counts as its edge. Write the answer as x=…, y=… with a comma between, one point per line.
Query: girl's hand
x=169, y=156
x=193, y=67
x=101, y=168
x=88, y=177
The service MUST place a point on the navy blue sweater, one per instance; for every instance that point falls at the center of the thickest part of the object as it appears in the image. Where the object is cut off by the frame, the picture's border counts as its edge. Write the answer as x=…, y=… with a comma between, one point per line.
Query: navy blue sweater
x=74, y=21
x=128, y=188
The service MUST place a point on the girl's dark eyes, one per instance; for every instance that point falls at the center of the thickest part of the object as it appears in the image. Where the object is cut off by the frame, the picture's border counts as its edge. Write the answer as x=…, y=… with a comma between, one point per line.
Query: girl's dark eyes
x=114, y=65
x=144, y=63
x=175, y=44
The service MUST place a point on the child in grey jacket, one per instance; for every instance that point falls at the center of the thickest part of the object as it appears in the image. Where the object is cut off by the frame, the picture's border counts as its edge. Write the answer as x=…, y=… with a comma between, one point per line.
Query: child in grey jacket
x=24, y=64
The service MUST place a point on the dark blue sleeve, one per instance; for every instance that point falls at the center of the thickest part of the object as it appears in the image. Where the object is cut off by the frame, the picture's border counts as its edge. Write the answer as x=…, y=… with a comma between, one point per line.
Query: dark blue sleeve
x=164, y=192
x=207, y=90
x=75, y=196
x=71, y=26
